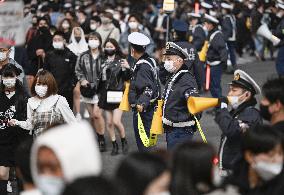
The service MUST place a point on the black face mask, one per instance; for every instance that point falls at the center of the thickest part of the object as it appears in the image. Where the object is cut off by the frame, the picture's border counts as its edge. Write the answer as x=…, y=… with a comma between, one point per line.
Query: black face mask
x=43, y=29
x=78, y=39
x=264, y=112
x=109, y=52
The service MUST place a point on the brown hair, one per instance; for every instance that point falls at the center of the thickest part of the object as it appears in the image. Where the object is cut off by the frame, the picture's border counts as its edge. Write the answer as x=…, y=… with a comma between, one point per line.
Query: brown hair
x=44, y=77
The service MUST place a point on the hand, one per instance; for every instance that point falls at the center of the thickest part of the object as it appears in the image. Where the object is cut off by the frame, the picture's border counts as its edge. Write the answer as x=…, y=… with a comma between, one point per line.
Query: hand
x=84, y=83
x=223, y=102
x=40, y=52
x=139, y=108
x=124, y=63
x=12, y=122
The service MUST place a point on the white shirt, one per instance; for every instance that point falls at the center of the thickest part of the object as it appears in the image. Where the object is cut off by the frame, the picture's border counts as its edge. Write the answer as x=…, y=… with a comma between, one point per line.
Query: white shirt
x=45, y=105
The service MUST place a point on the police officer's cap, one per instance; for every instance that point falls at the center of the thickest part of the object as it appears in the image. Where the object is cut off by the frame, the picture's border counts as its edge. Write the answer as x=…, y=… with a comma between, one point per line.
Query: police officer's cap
x=226, y=5
x=180, y=25
x=175, y=49
x=243, y=80
x=206, y=5
x=194, y=15
x=137, y=38
x=210, y=19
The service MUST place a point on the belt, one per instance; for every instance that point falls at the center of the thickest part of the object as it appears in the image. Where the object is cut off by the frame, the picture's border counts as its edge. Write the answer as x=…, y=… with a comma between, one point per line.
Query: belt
x=214, y=63
x=178, y=124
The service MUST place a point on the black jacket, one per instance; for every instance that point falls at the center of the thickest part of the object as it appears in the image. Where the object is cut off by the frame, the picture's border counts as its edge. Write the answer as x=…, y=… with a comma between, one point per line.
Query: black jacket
x=144, y=84
x=240, y=180
x=232, y=125
x=115, y=76
x=256, y=17
x=175, y=98
x=61, y=63
x=198, y=37
x=228, y=28
x=217, y=50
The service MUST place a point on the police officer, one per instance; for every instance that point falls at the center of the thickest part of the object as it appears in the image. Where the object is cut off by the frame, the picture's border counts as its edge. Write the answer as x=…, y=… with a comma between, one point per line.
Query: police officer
x=229, y=32
x=178, y=124
x=198, y=35
x=180, y=30
x=144, y=85
x=242, y=116
x=217, y=54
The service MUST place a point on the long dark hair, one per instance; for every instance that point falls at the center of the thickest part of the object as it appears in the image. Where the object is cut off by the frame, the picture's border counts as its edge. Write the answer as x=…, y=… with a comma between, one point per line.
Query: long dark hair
x=118, y=52
x=192, y=165
x=21, y=95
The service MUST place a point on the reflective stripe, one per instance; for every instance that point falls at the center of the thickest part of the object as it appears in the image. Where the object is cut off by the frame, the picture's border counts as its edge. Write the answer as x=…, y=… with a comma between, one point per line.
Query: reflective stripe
x=178, y=124
x=221, y=153
x=215, y=63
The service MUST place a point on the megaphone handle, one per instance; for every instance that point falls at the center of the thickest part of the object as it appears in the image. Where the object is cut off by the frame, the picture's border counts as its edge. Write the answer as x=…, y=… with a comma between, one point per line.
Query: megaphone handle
x=207, y=82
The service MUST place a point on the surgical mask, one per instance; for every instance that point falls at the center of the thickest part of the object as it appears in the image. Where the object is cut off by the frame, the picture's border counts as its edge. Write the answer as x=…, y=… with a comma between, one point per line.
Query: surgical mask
x=58, y=45
x=50, y=185
x=105, y=20
x=169, y=66
x=65, y=25
x=235, y=101
x=93, y=26
x=3, y=56
x=160, y=193
x=205, y=30
x=266, y=170
x=264, y=112
x=41, y=90
x=9, y=83
x=133, y=25
x=94, y=44
x=109, y=52
x=78, y=39
x=250, y=6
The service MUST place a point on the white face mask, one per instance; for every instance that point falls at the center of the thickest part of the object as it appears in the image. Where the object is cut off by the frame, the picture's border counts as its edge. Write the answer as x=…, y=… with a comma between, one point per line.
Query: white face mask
x=3, y=56
x=94, y=44
x=65, y=25
x=58, y=45
x=235, y=101
x=169, y=66
x=50, y=185
x=160, y=193
x=41, y=90
x=267, y=171
x=93, y=26
x=133, y=25
x=9, y=83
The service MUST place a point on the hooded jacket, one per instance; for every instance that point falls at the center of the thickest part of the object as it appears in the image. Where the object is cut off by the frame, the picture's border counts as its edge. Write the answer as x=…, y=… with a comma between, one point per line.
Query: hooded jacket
x=75, y=147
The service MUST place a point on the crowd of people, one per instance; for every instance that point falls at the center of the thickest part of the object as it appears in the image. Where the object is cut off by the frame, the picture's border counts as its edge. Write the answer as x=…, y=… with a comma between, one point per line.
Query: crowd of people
x=93, y=53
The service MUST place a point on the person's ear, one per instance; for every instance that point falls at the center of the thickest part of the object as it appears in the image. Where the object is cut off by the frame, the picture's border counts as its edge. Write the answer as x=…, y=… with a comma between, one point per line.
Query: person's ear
x=248, y=156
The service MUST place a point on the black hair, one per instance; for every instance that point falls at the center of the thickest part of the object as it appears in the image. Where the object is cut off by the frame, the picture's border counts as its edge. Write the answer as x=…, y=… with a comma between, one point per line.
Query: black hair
x=273, y=89
x=91, y=186
x=59, y=33
x=260, y=139
x=138, y=48
x=97, y=19
x=10, y=70
x=192, y=164
x=136, y=16
x=22, y=160
x=96, y=34
x=118, y=51
x=138, y=170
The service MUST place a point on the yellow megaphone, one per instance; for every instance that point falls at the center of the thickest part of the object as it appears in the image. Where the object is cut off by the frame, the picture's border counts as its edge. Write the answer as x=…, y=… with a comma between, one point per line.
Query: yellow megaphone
x=157, y=124
x=124, y=104
x=198, y=104
x=202, y=54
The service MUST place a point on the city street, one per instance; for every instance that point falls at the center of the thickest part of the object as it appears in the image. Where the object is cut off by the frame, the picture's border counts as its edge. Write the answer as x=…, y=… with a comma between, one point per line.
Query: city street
x=260, y=71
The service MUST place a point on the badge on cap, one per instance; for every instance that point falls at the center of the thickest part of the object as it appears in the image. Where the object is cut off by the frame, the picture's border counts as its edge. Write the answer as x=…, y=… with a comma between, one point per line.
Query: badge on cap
x=237, y=77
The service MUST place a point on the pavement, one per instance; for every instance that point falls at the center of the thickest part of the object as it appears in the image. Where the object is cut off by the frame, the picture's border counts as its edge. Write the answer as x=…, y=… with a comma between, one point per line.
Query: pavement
x=259, y=70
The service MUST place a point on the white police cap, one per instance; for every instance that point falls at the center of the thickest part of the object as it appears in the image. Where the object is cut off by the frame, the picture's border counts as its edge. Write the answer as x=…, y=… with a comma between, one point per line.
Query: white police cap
x=226, y=6
x=137, y=38
x=242, y=79
x=206, y=5
x=211, y=19
x=194, y=15
x=176, y=49
x=280, y=5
